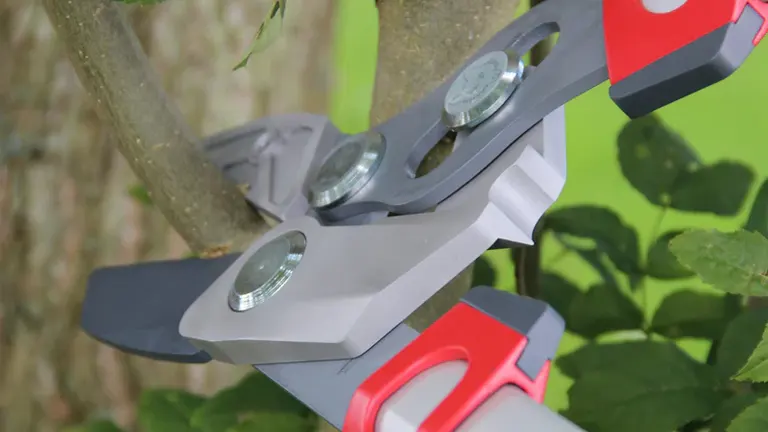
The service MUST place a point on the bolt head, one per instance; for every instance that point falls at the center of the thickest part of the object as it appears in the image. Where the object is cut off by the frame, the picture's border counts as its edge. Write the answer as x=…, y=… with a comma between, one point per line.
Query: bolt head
x=266, y=271
x=346, y=170
x=482, y=88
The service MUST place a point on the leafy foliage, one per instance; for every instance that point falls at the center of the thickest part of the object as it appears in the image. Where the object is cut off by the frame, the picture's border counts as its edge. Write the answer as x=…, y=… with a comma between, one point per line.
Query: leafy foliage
x=719, y=189
x=666, y=170
x=629, y=384
x=652, y=158
x=752, y=418
x=256, y=399
x=689, y=313
x=161, y=410
x=730, y=409
x=254, y=404
x=758, y=217
x=661, y=263
x=140, y=194
x=652, y=385
x=756, y=368
x=739, y=340
x=269, y=30
x=602, y=309
x=558, y=292
x=733, y=262
x=602, y=225
x=483, y=273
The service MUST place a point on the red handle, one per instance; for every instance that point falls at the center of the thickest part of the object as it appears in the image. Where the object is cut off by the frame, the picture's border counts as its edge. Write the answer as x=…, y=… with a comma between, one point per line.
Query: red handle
x=636, y=37
x=491, y=349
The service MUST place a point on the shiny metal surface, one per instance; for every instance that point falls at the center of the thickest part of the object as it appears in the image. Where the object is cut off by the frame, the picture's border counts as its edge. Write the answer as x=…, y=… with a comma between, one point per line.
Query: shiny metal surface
x=482, y=88
x=266, y=271
x=347, y=169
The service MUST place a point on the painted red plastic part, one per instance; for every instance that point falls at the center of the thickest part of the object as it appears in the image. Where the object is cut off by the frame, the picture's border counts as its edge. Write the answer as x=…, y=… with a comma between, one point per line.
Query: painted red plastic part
x=491, y=350
x=635, y=37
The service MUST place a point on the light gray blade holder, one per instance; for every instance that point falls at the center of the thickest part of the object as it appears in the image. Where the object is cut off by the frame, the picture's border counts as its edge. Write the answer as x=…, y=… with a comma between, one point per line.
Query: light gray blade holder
x=306, y=291
x=272, y=156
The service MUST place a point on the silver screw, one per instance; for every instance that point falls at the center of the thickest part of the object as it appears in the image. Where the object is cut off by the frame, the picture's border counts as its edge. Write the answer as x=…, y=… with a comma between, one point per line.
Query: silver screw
x=347, y=169
x=482, y=89
x=267, y=271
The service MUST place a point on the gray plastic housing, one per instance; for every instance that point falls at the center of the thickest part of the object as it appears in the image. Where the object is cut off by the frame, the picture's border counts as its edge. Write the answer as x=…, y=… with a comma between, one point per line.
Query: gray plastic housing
x=371, y=277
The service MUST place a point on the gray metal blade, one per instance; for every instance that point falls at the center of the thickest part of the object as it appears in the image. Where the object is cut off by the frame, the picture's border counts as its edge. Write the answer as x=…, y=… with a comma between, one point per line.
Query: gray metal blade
x=137, y=308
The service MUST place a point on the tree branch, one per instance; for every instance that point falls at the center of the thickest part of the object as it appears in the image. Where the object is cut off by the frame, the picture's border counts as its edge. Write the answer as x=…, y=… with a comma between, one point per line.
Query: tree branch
x=205, y=209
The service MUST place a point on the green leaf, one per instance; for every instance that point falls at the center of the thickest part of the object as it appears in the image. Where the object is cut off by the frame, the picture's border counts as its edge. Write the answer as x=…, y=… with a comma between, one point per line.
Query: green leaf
x=739, y=341
x=689, y=313
x=652, y=157
x=718, y=189
x=729, y=410
x=756, y=369
x=758, y=217
x=253, y=395
x=355, y=57
x=733, y=262
x=557, y=292
x=164, y=410
x=275, y=422
x=597, y=260
x=661, y=263
x=753, y=419
x=140, y=194
x=610, y=234
x=101, y=425
x=602, y=309
x=269, y=30
x=594, y=357
x=483, y=273
x=654, y=390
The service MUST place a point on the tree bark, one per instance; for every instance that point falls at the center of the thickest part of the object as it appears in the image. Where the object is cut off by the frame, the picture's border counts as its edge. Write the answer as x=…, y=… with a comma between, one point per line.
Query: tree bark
x=65, y=206
x=205, y=209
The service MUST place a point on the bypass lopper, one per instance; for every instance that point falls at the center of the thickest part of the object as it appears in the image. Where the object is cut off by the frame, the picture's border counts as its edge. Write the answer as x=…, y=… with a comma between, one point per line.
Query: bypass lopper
x=317, y=303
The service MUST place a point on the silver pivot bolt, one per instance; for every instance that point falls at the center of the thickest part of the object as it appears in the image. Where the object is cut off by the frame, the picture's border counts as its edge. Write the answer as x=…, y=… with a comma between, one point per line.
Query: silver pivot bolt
x=267, y=271
x=348, y=168
x=482, y=88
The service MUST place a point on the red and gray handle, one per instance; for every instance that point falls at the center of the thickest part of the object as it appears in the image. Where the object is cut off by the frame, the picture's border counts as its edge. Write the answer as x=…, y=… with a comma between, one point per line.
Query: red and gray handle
x=482, y=367
x=659, y=51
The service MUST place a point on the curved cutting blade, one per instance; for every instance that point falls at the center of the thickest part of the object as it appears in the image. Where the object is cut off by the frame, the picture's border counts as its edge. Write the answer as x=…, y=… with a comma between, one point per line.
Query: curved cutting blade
x=137, y=308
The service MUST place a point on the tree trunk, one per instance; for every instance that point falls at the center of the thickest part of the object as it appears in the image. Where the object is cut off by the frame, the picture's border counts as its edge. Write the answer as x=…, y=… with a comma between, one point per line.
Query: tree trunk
x=65, y=205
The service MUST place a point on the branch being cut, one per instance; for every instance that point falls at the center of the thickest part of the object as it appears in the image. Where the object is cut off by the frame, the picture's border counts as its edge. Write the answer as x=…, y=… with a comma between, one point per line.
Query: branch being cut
x=205, y=209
